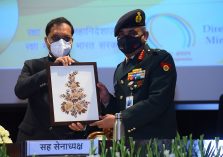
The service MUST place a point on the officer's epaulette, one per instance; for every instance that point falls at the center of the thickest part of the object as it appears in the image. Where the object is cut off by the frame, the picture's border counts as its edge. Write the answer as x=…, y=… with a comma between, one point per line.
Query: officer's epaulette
x=153, y=51
x=156, y=51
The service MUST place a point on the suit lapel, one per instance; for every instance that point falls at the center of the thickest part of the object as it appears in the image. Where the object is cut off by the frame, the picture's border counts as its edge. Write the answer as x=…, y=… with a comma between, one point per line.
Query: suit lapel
x=119, y=71
x=123, y=71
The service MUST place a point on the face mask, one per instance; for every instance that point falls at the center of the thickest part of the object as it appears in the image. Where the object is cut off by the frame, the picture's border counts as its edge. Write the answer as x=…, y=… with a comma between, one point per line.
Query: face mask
x=60, y=48
x=129, y=44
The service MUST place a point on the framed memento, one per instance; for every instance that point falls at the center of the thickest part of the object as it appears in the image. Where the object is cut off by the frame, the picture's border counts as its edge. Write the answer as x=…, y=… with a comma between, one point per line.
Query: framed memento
x=73, y=93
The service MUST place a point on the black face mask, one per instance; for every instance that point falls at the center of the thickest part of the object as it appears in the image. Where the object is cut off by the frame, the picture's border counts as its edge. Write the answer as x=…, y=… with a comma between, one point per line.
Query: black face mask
x=128, y=44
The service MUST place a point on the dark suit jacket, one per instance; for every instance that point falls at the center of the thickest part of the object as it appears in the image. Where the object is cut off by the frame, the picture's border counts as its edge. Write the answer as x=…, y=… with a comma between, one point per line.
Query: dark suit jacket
x=32, y=84
x=153, y=112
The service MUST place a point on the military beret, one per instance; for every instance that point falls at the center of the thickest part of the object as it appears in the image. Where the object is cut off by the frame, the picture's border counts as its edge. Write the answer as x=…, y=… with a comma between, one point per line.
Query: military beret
x=131, y=19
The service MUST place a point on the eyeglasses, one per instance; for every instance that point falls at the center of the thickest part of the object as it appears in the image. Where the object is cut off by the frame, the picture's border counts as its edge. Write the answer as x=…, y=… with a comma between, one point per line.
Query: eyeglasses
x=57, y=38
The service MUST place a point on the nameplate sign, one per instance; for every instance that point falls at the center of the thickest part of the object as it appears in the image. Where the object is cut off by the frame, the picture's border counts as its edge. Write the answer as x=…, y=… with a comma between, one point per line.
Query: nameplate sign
x=58, y=147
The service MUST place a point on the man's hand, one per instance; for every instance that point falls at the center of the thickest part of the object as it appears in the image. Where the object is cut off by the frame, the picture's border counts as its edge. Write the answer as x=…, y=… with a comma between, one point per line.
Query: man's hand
x=103, y=93
x=65, y=60
x=77, y=126
x=106, y=122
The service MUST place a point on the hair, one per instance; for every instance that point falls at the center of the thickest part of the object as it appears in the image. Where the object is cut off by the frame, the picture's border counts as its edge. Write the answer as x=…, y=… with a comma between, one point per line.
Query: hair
x=58, y=21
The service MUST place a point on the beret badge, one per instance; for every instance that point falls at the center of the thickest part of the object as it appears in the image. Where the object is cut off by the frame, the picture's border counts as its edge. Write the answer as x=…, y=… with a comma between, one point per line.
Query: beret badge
x=138, y=18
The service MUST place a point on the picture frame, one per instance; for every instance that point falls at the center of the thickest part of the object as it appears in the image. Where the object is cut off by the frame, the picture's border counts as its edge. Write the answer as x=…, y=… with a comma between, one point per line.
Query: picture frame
x=73, y=94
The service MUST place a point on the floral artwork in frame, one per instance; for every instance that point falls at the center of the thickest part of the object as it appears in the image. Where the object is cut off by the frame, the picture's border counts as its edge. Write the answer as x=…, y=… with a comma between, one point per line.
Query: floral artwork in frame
x=73, y=93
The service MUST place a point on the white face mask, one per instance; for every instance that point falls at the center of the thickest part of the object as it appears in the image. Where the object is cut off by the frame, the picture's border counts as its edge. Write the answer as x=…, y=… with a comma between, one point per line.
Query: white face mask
x=60, y=48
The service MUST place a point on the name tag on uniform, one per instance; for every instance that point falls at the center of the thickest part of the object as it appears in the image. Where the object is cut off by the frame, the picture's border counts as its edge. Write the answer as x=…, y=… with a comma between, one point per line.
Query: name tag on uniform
x=129, y=101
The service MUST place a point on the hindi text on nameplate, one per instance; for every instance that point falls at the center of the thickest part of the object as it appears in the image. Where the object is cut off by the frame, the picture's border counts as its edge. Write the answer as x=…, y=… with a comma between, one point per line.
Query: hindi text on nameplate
x=58, y=147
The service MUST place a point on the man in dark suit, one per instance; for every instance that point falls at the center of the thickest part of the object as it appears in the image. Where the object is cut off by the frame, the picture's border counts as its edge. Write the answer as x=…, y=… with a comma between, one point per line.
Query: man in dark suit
x=32, y=85
x=144, y=84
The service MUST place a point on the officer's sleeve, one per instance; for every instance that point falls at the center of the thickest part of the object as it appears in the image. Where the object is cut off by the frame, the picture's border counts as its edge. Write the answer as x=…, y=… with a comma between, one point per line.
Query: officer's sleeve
x=112, y=107
x=28, y=83
x=160, y=97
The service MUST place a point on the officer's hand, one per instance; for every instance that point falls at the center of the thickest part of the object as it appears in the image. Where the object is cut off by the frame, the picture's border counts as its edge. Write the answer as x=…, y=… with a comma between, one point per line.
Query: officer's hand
x=65, y=60
x=106, y=122
x=103, y=93
x=77, y=126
